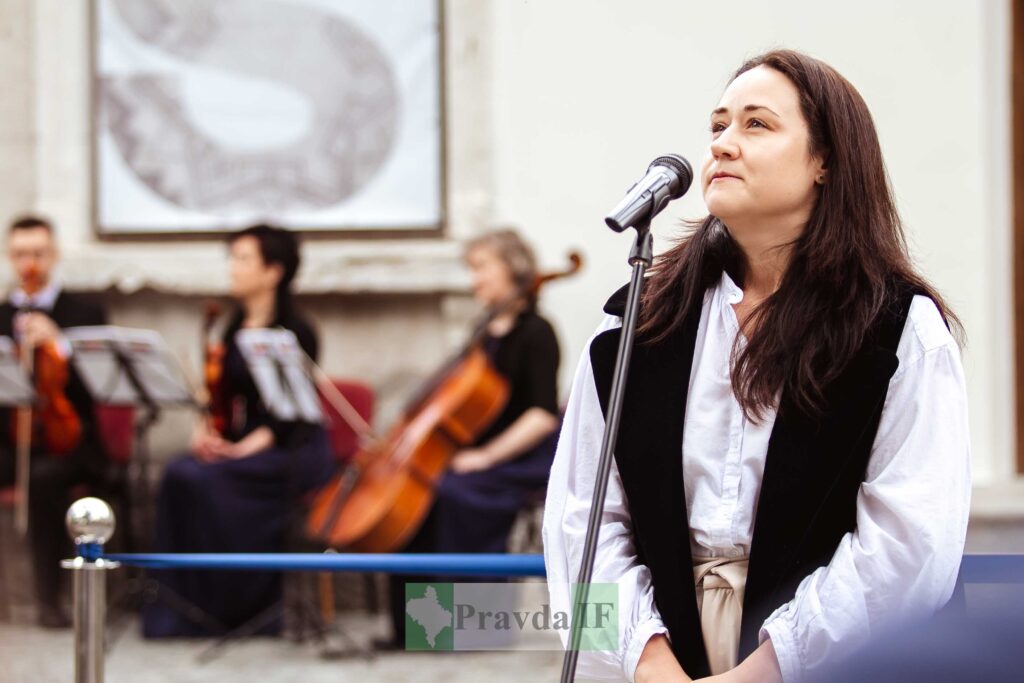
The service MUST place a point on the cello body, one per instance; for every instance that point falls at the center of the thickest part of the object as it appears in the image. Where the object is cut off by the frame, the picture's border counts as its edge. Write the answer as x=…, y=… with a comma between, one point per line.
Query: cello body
x=380, y=502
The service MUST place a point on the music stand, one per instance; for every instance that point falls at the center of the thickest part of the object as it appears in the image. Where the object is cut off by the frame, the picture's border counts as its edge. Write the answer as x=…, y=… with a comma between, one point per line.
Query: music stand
x=16, y=391
x=281, y=373
x=134, y=368
x=128, y=367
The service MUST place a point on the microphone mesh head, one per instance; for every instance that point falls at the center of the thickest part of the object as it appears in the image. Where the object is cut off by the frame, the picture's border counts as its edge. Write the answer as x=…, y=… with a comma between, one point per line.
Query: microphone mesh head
x=684, y=173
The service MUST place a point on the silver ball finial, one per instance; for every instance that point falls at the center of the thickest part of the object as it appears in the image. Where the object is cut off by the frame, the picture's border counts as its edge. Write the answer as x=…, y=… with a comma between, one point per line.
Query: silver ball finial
x=90, y=520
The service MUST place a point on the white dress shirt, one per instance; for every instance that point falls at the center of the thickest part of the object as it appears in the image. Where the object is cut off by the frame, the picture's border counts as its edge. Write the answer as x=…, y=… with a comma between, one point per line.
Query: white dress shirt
x=42, y=300
x=912, y=509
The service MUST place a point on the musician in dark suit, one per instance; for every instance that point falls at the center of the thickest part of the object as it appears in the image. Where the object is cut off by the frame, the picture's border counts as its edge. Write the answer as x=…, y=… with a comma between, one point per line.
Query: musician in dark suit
x=35, y=313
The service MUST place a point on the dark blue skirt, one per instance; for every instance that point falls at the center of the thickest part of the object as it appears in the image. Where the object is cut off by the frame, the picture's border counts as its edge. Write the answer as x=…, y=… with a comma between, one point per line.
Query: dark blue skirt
x=475, y=512
x=231, y=506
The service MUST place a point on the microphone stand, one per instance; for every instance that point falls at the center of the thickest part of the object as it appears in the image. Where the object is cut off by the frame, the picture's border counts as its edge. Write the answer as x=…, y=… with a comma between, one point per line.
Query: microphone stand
x=640, y=257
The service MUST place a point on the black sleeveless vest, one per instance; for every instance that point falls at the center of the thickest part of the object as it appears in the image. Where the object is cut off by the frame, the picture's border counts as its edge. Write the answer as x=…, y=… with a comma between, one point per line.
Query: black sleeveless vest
x=812, y=474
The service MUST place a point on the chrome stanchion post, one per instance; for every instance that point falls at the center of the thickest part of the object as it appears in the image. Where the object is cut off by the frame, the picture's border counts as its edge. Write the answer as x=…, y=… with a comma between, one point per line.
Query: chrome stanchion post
x=90, y=523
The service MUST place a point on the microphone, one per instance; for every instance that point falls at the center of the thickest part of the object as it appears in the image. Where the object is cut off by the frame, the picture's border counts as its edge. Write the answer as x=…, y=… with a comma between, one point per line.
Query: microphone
x=667, y=178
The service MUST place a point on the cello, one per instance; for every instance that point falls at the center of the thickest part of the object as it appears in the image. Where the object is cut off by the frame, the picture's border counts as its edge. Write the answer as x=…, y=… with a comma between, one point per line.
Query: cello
x=378, y=502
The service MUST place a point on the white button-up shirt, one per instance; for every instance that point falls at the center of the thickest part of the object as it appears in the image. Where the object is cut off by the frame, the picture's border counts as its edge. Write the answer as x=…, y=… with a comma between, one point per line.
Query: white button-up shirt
x=912, y=509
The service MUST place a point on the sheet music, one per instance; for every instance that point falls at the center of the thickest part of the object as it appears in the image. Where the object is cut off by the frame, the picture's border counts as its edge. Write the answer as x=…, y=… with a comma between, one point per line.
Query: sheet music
x=278, y=366
x=156, y=368
x=15, y=387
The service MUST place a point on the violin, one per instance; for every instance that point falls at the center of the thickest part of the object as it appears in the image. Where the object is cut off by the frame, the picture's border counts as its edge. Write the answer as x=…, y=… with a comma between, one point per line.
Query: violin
x=216, y=403
x=52, y=421
x=378, y=502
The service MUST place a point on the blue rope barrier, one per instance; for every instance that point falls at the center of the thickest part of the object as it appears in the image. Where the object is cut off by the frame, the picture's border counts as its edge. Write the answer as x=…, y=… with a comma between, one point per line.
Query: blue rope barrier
x=90, y=551
x=999, y=569
x=453, y=564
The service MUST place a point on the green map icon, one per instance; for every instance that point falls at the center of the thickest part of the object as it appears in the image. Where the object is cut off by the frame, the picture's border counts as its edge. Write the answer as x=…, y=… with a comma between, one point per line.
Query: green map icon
x=429, y=616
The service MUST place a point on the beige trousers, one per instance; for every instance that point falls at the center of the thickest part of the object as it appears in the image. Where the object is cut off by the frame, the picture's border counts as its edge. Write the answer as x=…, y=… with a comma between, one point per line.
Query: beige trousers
x=720, y=582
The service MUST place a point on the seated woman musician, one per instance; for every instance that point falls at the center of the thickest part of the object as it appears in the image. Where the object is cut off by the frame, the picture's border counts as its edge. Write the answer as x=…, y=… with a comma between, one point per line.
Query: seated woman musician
x=235, y=491
x=490, y=482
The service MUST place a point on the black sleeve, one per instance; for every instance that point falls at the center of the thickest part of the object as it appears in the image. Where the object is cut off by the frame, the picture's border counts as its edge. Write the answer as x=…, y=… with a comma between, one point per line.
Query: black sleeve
x=540, y=372
x=308, y=339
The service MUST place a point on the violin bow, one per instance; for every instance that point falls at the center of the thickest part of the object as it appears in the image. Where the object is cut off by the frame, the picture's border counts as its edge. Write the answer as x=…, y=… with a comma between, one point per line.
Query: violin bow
x=23, y=457
x=341, y=405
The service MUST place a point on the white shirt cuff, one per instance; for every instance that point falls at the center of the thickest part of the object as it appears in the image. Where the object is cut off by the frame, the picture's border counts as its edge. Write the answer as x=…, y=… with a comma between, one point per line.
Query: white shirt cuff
x=785, y=647
x=641, y=634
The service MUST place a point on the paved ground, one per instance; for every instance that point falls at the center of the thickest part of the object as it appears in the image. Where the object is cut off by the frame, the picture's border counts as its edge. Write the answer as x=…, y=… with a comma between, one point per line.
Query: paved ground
x=32, y=655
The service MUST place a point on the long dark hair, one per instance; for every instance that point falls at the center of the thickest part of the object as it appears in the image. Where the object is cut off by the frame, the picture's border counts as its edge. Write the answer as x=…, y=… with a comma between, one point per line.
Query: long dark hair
x=278, y=246
x=845, y=269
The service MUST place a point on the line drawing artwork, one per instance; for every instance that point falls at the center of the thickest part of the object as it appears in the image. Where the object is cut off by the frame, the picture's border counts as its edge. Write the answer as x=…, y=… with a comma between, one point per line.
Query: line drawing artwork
x=320, y=121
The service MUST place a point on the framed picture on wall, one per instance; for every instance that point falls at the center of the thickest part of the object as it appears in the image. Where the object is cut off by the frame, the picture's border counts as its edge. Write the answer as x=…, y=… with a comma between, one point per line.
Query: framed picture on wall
x=319, y=115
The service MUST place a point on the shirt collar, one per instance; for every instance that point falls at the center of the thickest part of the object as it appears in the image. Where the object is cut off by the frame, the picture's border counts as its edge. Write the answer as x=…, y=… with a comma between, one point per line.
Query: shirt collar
x=732, y=294
x=43, y=300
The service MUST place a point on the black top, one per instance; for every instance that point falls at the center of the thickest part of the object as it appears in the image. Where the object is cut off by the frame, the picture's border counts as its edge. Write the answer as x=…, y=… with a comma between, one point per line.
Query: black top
x=69, y=310
x=527, y=357
x=246, y=411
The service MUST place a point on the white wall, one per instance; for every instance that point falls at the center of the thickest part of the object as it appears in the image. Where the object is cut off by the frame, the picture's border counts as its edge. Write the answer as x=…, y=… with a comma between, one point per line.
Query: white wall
x=554, y=107
x=586, y=94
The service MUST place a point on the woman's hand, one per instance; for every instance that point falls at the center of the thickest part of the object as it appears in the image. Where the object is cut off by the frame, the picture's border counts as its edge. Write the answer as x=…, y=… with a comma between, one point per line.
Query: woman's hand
x=657, y=664
x=472, y=460
x=255, y=441
x=529, y=429
x=762, y=666
x=206, y=444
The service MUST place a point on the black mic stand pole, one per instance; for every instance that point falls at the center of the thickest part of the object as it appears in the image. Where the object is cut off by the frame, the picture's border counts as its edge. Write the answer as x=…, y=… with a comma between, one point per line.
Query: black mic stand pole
x=640, y=257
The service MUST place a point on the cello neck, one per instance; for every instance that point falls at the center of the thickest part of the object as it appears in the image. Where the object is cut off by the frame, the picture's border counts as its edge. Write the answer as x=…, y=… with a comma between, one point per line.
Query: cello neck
x=520, y=298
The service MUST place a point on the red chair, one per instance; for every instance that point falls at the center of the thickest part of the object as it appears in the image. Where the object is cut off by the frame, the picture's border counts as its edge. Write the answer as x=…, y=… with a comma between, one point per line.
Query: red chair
x=345, y=443
x=8, y=497
x=116, y=427
x=344, y=440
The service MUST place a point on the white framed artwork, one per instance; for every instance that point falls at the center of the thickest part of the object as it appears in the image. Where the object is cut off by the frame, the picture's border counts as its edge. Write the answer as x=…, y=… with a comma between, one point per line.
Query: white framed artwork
x=317, y=115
